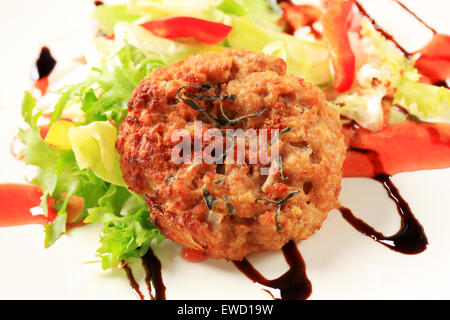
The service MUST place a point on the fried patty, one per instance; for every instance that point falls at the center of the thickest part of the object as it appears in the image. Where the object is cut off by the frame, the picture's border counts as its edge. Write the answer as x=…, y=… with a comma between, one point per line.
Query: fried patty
x=229, y=210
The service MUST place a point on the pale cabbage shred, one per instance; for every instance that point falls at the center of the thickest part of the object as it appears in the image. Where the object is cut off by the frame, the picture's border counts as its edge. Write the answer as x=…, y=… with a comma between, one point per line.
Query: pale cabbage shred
x=383, y=70
x=363, y=103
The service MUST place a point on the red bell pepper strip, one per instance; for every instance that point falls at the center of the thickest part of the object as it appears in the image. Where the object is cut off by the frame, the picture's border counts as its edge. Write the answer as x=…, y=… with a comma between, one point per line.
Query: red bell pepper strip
x=335, y=21
x=186, y=27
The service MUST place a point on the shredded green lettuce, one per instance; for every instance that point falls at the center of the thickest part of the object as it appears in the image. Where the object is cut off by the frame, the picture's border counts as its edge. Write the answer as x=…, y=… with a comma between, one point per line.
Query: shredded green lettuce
x=91, y=170
x=427, y=102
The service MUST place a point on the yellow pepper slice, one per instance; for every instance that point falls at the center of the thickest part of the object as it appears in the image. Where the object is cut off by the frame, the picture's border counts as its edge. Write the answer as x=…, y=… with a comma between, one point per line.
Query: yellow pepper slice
x=58, y=134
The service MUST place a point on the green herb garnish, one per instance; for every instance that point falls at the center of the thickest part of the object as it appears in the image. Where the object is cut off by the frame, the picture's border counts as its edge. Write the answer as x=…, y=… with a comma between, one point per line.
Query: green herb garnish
x=219, y=181
x=277, y=136
x=278, y=204
x=280, y=162
x=189, y=100
x=230, y=207
x=210, y=200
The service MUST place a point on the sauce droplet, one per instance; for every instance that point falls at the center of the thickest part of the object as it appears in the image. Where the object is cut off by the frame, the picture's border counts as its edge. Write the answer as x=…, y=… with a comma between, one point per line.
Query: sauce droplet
x=192, y=255
x=44, y=64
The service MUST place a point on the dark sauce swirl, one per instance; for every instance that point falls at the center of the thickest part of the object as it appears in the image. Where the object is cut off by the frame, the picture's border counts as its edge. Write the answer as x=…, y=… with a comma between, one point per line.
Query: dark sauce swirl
x=411, y=238
x=293, y=285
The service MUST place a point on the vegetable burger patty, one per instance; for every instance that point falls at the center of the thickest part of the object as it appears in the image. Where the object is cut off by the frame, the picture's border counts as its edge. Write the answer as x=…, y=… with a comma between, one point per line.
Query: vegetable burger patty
x=229, y=210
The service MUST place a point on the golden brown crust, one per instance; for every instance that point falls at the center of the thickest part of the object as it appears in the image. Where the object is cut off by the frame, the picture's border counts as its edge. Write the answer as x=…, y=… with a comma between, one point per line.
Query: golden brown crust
x=312, y=152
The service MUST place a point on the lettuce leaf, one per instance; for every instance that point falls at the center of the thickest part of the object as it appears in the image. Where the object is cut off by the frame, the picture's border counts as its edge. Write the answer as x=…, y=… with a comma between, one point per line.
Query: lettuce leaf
x=234, y=7
x=365, y=107
x=309, y=60
x=265, y=13
x=94, y=148
x=427, y=102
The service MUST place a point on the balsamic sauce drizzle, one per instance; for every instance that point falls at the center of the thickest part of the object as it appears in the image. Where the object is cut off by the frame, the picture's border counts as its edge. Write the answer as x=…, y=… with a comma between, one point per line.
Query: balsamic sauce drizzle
x=44, y=64
x=411, y=238
x=386, y=34
x=133, y=283
x=153, y=277
x=293, y=285
x=415, y=16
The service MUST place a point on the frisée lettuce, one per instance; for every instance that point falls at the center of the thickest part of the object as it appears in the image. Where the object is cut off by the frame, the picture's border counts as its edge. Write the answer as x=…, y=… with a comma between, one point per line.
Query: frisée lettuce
x=90, y=169
x=384, y=71
x=426, y=102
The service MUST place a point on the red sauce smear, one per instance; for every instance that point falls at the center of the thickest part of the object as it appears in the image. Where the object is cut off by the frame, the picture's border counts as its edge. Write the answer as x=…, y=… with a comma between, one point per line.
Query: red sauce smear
x=192, y=255
x=434, y=62
x=16, y=201
x=42, y=85
x=408, y=146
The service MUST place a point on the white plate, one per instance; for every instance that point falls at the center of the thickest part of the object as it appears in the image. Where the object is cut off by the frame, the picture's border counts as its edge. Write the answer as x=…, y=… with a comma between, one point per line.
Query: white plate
x=341, y=263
